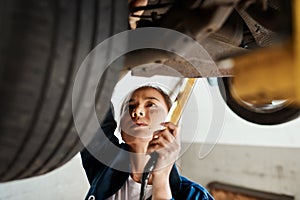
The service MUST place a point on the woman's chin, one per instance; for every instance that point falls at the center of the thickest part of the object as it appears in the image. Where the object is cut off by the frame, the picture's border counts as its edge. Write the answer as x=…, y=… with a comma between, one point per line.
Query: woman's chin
x=137, y=137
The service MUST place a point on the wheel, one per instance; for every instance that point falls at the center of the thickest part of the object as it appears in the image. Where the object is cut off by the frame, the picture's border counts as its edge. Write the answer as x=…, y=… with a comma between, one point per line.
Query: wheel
x=43, y=42
x=276, y=112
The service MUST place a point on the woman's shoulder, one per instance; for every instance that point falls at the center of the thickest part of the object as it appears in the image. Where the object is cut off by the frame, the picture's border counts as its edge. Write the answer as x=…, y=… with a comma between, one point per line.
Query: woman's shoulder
x=192, y=190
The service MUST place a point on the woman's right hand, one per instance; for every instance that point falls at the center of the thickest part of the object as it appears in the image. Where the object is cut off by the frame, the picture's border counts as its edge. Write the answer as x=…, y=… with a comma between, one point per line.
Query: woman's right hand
x=167, y=144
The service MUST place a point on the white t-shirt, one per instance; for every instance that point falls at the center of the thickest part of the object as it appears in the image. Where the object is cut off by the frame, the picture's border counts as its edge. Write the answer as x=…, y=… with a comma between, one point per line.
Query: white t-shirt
x=131, y=191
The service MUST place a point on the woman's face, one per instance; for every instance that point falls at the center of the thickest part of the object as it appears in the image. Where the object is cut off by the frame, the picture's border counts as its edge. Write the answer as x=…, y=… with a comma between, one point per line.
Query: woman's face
x=143, y=113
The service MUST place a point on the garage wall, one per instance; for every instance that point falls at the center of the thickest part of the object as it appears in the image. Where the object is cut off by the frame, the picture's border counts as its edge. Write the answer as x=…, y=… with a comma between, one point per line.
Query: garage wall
x=268, y=169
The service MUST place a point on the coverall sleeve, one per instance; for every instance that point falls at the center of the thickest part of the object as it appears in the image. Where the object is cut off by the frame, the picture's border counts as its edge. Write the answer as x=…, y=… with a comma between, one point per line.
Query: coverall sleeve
x=101, y=142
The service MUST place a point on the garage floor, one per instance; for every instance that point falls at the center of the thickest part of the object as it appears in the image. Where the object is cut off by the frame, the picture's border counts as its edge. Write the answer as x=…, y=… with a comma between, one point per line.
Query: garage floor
x=65, y=183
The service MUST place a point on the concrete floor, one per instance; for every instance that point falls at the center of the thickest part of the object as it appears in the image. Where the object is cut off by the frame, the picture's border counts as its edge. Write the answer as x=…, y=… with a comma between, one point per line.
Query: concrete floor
x=65, y=183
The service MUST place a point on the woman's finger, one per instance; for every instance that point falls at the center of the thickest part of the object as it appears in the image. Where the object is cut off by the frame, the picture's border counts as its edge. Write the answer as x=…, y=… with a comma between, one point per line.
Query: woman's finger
x=172, y=127
x=167, y=135
x=163, y=141
x=164, y=134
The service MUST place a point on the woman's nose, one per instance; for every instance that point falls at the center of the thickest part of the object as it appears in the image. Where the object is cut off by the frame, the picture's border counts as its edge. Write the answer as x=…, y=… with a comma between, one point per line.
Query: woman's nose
x=138, y=112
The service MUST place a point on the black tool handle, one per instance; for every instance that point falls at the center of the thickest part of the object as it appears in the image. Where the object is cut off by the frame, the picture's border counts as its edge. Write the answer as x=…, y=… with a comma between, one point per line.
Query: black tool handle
x=147, y=171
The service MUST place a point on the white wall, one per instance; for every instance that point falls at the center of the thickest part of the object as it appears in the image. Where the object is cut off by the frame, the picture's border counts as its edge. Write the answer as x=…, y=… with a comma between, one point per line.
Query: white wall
x=267, y=169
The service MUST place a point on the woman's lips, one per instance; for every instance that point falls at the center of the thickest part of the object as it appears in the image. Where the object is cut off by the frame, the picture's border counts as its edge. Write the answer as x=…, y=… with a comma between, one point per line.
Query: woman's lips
x=139, y=123
x=135, y=124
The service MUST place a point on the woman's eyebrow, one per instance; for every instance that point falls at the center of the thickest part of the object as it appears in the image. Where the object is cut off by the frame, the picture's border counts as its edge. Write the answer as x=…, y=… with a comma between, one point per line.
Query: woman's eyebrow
x=152, y=98
x=146, y=98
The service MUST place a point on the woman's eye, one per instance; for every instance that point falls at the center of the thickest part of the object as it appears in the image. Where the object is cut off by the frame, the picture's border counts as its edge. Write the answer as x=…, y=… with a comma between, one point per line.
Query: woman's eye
x=151, y=105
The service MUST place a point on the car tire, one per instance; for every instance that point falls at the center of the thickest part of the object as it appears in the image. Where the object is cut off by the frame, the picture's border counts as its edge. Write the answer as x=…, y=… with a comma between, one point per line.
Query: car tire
x=43, y=43
x=282, y=114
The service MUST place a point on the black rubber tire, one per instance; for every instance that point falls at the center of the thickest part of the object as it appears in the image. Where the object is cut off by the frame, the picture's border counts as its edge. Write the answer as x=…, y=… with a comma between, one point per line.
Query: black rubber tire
x=282, y=115
x=43, y=42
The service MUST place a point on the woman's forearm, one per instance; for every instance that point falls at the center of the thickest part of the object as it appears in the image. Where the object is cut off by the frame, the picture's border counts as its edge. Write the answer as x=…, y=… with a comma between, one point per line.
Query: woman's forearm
x=161, y=187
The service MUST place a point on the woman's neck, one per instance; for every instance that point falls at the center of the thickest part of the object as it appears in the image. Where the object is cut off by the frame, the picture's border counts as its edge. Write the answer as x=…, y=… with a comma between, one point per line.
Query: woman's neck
x=138, y=162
